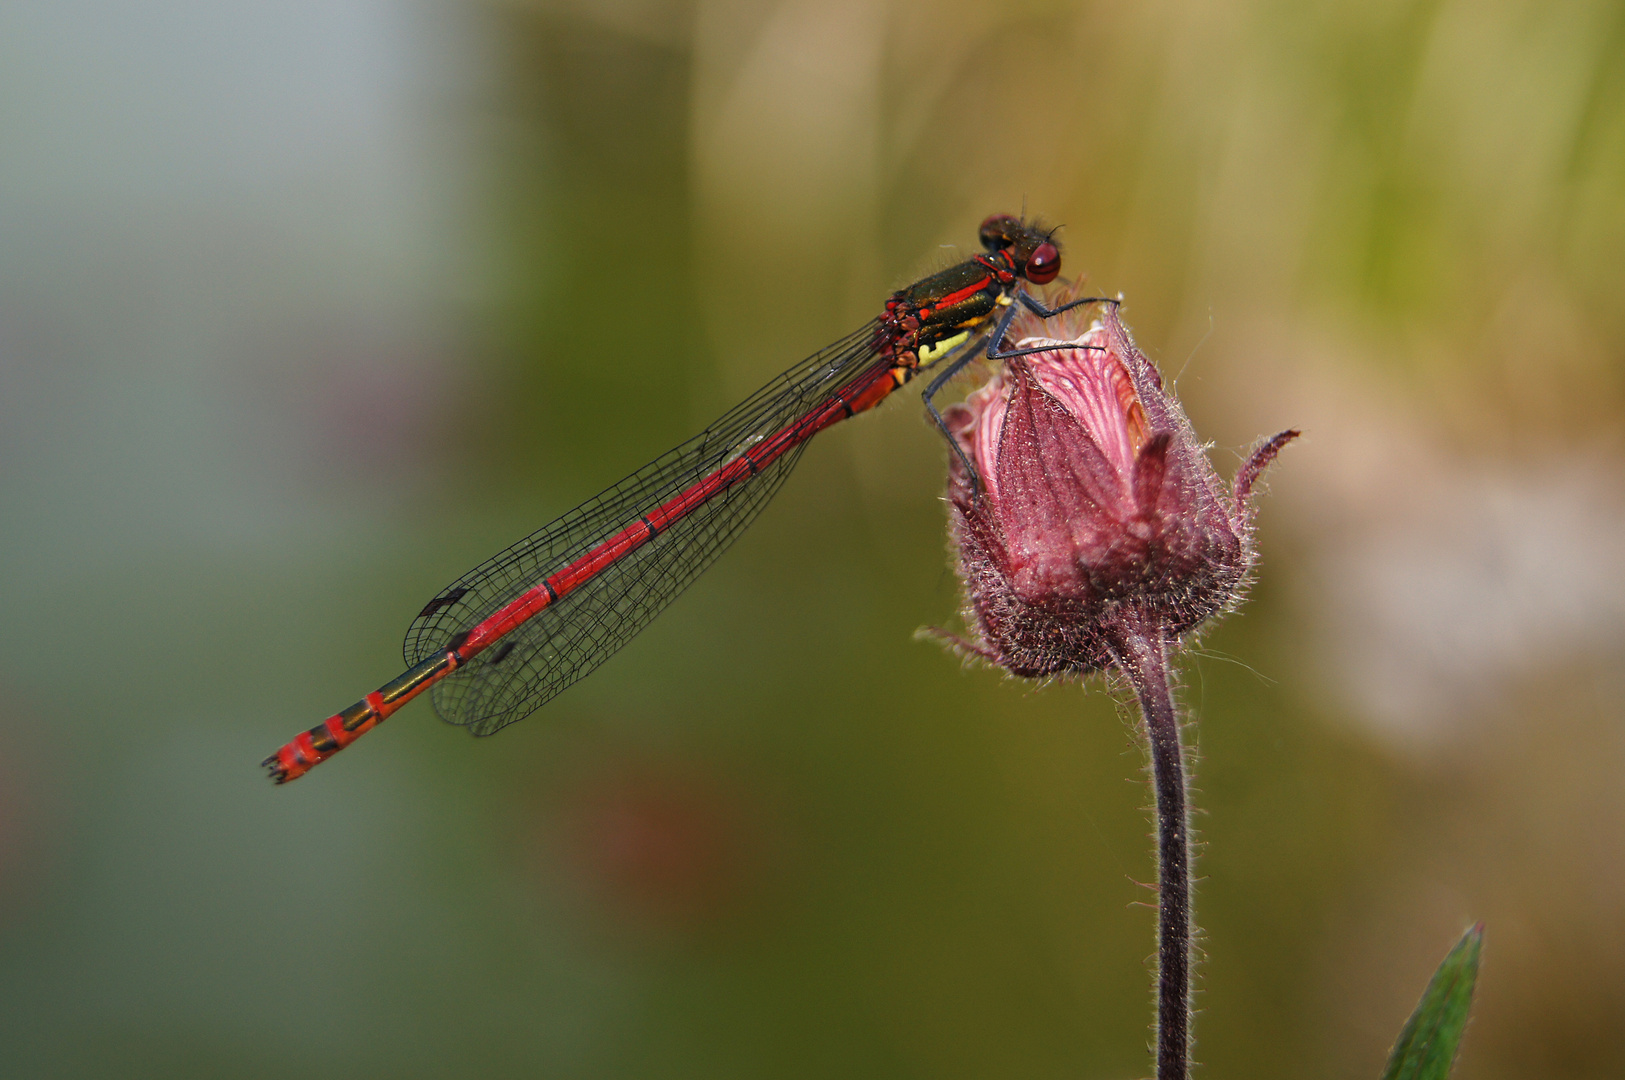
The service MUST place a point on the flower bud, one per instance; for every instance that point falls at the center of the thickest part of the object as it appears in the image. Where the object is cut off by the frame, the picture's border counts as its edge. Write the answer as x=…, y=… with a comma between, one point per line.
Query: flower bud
x=1098, y=512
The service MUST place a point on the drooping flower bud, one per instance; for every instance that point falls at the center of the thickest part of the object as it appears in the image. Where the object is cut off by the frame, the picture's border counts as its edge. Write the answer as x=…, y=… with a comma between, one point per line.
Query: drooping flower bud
x=1098, y=514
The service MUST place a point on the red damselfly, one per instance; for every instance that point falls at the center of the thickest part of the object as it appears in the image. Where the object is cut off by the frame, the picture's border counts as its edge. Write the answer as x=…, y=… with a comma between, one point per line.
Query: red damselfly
x=516, y=630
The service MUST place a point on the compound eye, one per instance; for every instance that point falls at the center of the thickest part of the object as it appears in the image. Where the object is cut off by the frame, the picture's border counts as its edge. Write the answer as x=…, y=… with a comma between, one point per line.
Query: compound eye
x=1043, y=264
x=999, y=231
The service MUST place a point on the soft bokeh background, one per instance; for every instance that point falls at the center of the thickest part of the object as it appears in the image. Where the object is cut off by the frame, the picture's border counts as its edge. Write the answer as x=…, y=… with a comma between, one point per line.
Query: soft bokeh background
x=307, y=307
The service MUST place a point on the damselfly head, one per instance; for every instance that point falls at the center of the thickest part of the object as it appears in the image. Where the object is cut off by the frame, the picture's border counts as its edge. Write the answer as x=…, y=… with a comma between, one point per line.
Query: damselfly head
x=1031, y=249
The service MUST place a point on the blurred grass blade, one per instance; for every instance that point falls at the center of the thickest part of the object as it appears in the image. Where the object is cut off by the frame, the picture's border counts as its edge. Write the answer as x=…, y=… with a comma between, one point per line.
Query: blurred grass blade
x=1426, y=1048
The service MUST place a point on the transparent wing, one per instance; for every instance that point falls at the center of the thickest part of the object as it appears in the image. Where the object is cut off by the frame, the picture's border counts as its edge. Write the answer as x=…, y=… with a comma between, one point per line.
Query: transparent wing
x=572, y=636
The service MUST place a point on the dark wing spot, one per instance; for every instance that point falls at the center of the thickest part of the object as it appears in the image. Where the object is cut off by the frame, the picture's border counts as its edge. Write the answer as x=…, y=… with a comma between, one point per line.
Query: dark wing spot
x=442, y=602
x=502, y=652
x=457, y=640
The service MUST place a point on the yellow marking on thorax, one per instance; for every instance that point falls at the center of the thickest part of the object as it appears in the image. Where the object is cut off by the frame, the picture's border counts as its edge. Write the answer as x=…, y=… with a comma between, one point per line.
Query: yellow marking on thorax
x=932, y=353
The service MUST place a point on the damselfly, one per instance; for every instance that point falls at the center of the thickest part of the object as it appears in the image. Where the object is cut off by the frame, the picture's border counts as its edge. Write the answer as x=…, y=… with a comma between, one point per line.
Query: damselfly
x=507, y=636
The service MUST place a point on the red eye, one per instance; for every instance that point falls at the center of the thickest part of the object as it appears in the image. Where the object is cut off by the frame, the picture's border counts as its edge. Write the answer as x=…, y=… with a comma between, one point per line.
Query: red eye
x=999, y=231
x=1043, y=264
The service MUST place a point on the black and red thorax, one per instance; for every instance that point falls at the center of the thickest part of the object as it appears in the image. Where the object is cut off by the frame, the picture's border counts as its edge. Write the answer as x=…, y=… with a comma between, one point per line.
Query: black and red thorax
x=944, y=309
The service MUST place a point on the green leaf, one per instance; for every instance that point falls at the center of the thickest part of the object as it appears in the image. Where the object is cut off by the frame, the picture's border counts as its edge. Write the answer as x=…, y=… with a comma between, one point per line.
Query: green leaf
x=1426, y=1048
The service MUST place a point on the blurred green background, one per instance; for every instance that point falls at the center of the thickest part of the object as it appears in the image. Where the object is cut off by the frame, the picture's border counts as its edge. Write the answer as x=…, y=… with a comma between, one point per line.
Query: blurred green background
x=306, y=308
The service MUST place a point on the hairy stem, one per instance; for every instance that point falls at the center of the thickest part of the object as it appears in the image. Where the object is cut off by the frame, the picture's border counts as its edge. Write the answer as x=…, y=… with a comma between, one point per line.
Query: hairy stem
x=1143, y=657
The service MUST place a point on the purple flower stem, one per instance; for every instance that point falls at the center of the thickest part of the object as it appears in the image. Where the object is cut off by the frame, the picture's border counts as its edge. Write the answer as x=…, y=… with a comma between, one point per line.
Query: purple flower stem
x=1142, y=654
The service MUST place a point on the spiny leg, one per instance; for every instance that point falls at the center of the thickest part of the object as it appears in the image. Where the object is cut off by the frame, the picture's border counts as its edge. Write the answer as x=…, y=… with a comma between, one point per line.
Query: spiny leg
x=1037, y=308
x=971, y=352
